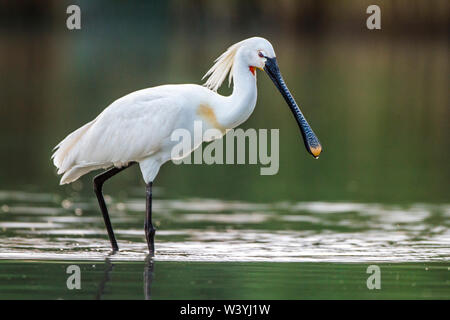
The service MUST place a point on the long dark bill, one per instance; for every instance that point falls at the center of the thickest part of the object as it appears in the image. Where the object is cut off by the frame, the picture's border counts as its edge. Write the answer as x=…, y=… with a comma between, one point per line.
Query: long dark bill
x=312, y=143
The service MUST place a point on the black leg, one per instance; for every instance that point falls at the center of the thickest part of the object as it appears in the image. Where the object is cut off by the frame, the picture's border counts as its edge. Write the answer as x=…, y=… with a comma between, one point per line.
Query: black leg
x=148, y=226
x=98, y=185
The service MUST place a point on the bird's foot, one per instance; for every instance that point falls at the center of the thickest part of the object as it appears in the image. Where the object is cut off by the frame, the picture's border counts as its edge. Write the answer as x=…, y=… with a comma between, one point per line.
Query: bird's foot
x=150, y=236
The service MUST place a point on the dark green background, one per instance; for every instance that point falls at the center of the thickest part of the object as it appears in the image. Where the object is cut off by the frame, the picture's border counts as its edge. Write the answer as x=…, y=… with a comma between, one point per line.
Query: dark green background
x=378, y=100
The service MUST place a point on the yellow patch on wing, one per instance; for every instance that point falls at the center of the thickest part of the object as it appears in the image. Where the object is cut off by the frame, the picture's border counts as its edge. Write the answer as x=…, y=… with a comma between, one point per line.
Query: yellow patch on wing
x=207, y=113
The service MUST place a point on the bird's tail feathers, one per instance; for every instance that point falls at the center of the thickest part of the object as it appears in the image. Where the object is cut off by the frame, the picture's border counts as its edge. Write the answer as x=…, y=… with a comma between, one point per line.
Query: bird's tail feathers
x=65, y=153
x=77, y=171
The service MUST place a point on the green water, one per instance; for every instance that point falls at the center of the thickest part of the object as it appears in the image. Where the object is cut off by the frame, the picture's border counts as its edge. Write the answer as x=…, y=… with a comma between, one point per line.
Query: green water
x=216, y=249
x=378, y=195
x=225, y=280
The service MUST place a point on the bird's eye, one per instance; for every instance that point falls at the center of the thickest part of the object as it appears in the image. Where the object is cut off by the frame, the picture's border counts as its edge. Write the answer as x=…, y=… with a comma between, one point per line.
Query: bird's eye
x=260, y=54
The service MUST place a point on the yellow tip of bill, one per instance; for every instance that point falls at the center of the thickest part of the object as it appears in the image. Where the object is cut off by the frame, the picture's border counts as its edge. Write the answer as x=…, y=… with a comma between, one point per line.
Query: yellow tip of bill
x=315, y=151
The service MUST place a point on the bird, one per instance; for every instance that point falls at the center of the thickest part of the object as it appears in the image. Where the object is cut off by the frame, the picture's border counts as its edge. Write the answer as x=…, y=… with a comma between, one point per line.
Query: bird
x=137, y=128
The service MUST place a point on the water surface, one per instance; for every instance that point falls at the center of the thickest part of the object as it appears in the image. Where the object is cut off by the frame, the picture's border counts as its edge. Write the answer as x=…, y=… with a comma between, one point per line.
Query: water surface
x=209, y=248
x=224, y=280
x=45, y=226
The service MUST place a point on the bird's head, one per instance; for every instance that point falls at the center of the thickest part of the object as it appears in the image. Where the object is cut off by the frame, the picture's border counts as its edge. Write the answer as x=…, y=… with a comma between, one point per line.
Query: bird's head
x=258, y=53
x=255, y=52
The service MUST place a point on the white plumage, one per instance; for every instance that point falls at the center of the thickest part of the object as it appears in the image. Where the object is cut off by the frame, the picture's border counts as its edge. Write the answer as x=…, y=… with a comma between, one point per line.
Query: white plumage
x=138, y=126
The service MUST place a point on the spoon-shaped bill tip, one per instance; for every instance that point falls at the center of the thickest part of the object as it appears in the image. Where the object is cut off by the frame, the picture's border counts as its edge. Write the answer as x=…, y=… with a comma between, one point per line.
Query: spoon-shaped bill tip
x=315, y=151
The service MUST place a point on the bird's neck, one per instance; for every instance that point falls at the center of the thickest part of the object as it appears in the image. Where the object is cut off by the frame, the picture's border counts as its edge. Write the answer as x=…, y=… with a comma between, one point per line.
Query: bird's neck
x=241, y=103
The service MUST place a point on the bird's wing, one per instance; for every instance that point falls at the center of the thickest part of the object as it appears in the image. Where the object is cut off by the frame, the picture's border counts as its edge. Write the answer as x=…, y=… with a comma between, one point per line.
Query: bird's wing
x=130, y=129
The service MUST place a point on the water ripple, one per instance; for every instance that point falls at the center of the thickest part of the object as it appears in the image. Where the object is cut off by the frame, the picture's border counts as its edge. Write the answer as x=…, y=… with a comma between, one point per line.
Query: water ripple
x=47, y=227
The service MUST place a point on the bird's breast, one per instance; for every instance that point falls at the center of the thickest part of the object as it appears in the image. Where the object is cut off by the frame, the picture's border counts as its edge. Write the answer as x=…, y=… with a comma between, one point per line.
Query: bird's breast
x=206, y=112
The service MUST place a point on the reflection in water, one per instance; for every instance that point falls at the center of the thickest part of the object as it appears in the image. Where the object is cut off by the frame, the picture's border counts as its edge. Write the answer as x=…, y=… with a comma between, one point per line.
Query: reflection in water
x=227, y=249
x=106, y=277
x=148, y=276
x=224, y=280
x=149, y=268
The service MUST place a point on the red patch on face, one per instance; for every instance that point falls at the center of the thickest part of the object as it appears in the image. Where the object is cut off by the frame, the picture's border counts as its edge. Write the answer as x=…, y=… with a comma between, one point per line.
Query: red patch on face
x=252, y=70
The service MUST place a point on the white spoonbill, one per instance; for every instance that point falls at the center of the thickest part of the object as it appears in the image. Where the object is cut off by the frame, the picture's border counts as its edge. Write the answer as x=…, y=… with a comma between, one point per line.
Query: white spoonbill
x=137, y=127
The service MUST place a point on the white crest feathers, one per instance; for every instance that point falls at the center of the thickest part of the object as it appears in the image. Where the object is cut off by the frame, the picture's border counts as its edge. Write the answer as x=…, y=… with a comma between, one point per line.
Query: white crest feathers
x=222, y=66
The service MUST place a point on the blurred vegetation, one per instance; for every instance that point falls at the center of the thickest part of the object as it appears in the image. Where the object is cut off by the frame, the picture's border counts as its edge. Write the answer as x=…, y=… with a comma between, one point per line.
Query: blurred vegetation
x=378, y=100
